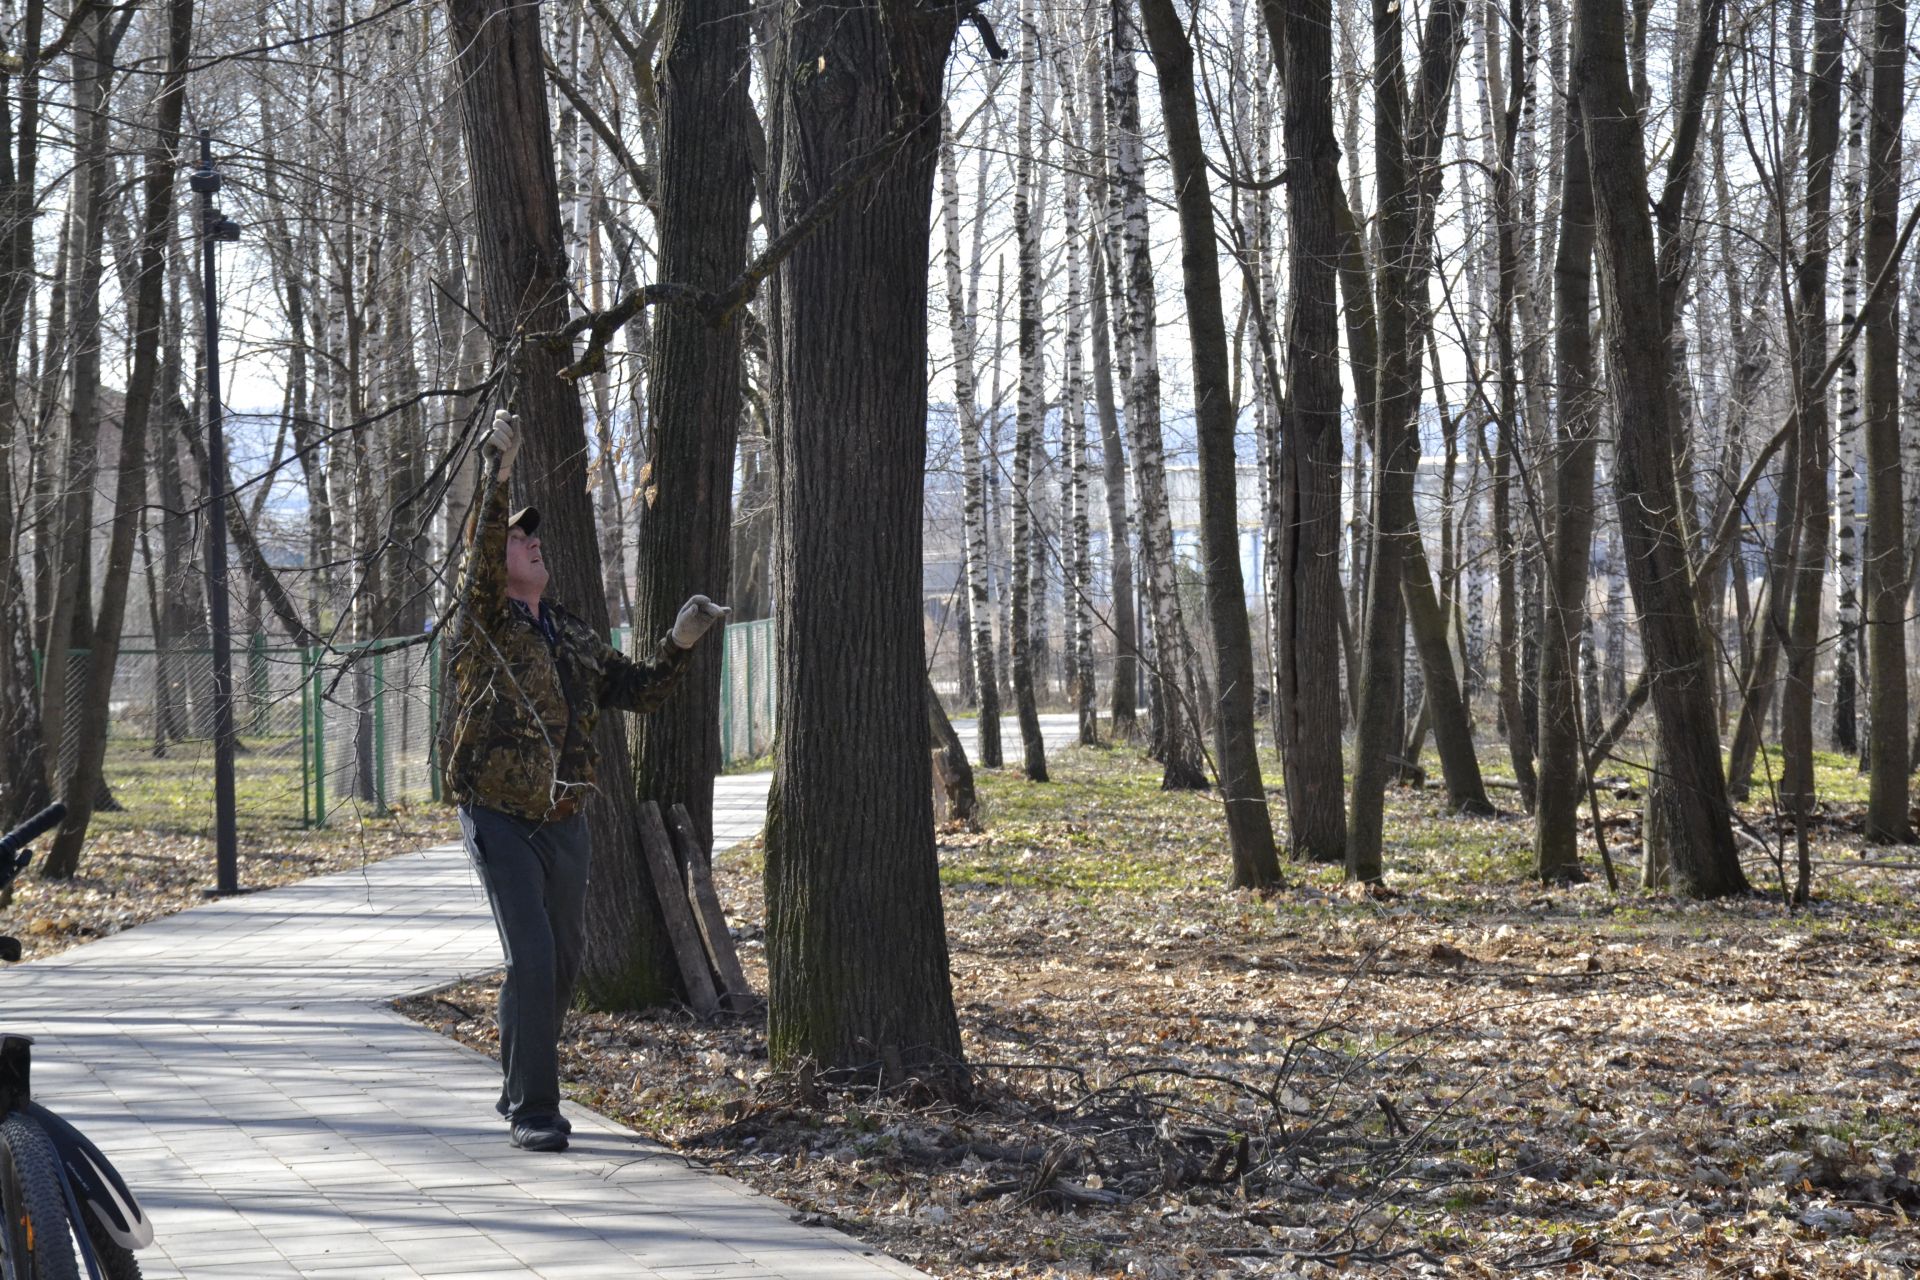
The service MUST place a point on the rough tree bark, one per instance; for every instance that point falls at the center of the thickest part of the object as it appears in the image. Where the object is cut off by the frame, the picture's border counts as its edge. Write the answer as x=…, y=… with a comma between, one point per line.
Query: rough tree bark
x=705, y=191
x=856, y=939
x=69, y=620
x=23, y=773
x=89, y=732
x=1885, y=574
x=1308, y=551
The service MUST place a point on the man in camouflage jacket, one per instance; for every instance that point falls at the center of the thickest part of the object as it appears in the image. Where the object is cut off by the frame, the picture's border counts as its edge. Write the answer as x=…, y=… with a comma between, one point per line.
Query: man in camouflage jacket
x=527, y=683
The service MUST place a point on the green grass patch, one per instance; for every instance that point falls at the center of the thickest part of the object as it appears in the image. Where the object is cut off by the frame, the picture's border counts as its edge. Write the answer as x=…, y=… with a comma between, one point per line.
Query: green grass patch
x=1101, y=826
x=172, y=795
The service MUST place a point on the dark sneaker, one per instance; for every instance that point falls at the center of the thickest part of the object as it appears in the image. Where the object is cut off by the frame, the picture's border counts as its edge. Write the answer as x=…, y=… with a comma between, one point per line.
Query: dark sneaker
x=559, y=1122
x=541, y=1134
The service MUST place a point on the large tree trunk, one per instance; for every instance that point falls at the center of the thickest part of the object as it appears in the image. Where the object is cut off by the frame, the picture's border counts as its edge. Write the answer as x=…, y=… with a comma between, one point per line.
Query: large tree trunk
x=1446, y=708
x=1885, y=569
x=629, y=963
x=69, y=620
x=1556, y=825
x=83, y=786
x=1308, y=550
x=1236, y=740
x=856, y=938
x=705, y=190
x=23, y=772
x=1705, y=862
x=952, y=772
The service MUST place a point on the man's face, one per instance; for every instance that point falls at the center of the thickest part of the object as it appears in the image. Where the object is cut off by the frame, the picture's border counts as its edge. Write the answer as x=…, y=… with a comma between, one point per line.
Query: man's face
x=526, y=568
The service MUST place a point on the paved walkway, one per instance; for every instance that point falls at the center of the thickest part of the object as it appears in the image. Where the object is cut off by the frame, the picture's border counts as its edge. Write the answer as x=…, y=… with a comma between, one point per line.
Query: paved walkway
x=241, y=1066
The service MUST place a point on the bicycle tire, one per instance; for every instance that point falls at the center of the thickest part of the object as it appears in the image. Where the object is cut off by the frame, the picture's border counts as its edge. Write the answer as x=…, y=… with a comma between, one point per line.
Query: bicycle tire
x=35, y=1234
x=116, y=1260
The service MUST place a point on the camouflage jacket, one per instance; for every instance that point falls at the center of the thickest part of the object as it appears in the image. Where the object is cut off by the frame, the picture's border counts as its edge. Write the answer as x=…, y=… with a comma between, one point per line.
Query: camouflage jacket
x=524, y=692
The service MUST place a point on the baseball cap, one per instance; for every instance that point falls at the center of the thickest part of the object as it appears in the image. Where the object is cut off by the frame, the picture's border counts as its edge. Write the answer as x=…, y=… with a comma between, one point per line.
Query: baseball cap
x=526, y=519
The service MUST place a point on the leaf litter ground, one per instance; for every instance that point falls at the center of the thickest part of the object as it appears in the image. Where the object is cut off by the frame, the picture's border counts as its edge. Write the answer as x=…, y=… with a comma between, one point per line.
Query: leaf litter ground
x=1472, y=1077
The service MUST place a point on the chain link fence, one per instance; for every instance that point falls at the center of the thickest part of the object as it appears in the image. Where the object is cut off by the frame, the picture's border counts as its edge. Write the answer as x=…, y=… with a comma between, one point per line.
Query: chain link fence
x=325, y=733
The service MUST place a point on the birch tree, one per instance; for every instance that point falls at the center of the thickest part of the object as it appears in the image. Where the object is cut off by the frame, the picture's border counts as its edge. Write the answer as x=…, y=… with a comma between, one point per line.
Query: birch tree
x=960, y=325
x=1178, y=740
x=1031, y=410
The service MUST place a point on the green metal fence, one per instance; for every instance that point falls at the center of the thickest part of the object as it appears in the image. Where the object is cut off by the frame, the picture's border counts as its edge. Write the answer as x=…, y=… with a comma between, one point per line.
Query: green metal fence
x=746, y=691
x=348, y=729
x=746, y=686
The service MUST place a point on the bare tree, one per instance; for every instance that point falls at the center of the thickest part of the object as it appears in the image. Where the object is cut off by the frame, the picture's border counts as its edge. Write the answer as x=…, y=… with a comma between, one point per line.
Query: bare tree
x=960, y=323
x=1236, y=741
x=1177, y=735
x=1705, y=862
x=1032, y=406
x=1307, y=552
x=1570, y=547
x=1407, y=140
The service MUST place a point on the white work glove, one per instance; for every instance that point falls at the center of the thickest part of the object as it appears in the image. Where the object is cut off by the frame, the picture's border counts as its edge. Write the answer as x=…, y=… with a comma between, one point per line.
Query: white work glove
x=697, y=615
x=504, y=439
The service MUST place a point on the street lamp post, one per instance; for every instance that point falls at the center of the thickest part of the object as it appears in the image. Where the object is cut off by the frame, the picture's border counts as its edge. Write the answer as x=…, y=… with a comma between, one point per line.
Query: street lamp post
x=214, y=228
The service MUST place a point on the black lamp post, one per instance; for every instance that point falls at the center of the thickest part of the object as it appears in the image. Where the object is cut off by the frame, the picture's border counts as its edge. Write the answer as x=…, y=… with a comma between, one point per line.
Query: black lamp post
x=213, y=229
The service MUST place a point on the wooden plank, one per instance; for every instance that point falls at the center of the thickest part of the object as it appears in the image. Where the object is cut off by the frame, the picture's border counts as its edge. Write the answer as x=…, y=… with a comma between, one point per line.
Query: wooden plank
x=667, y=887
x=706, y=910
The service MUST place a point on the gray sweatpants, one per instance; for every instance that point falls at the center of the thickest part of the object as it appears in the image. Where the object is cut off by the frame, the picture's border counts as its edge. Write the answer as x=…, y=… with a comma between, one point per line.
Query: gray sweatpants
x=535, y=874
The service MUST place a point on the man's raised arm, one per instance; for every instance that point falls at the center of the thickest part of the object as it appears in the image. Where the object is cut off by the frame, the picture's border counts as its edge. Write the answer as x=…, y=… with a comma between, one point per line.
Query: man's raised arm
x=643, y=686
x=483, y=579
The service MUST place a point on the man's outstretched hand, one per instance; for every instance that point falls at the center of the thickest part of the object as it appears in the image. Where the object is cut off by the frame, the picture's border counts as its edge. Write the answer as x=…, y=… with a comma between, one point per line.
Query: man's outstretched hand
x=697, y=616
x=504, y=439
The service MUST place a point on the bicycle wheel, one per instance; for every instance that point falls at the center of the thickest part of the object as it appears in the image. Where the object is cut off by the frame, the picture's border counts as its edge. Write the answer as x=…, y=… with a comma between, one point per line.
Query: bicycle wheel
x=35, y=1242
x=116, y=1261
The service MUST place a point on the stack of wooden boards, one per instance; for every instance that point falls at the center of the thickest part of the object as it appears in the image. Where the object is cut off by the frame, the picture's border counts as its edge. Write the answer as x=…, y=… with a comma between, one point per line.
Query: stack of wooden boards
x=683, y=881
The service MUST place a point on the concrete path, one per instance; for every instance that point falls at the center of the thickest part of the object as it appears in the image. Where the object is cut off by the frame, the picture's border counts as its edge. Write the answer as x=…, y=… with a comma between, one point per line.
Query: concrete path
x=241, y=1066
